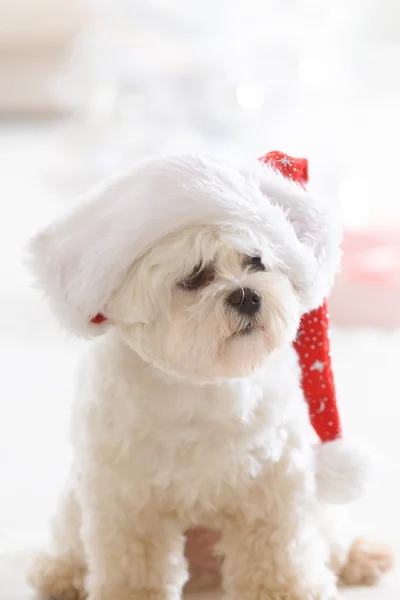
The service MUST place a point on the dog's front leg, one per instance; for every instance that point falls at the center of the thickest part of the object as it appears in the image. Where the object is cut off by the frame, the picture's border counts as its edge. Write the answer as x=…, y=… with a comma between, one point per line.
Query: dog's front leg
x=272, y=547
x=132, y=554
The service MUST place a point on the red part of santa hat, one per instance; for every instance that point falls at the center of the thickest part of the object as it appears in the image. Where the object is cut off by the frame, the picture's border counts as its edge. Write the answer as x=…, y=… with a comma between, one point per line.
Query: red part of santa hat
x=295, y=169
x=313, y=348
x=312, y=343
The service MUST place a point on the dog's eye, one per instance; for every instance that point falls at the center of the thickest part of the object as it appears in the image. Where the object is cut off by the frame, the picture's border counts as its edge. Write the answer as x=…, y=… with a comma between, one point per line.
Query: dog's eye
x=255, y=263
x=199, y=278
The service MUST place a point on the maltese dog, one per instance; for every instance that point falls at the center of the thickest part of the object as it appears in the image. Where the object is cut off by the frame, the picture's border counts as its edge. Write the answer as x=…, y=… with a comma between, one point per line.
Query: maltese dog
x=192, y=275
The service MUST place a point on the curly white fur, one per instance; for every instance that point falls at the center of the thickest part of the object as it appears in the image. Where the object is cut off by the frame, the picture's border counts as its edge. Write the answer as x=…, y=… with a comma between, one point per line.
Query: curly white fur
x=189, y=412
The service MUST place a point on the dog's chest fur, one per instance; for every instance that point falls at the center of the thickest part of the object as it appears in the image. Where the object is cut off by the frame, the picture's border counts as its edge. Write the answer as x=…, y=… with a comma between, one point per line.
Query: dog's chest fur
x=197, y=444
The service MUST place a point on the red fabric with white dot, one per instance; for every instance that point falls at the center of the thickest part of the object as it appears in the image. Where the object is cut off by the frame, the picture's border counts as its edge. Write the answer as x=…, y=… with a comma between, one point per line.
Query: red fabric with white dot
x=312, y=342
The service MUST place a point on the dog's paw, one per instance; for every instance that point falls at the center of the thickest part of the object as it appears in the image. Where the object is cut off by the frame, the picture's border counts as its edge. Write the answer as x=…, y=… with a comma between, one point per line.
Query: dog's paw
x=58, y=577
x=366, y=563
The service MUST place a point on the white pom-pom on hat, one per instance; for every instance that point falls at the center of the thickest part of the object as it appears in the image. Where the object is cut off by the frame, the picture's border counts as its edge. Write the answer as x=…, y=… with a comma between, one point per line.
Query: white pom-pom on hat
x=343, y=471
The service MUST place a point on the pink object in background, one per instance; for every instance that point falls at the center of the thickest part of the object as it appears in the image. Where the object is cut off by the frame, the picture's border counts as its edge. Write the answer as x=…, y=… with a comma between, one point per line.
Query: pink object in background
x=204, y=564
x=367, y=291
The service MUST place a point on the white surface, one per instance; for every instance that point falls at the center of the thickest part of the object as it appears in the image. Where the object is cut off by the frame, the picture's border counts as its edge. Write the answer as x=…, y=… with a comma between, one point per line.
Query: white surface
x=37, y=364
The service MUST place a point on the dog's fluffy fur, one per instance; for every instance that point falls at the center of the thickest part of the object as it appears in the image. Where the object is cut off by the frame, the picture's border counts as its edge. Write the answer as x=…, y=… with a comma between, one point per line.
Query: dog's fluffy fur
x=188, y=412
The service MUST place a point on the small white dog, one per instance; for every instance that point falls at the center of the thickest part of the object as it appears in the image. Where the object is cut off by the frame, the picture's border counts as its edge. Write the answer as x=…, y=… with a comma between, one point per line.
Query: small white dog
x=189, y=408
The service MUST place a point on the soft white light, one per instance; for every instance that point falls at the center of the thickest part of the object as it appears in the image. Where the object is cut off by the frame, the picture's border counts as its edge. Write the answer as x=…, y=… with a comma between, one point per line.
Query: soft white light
x=312, y=69
x=103, y=102
x=250, y=96
x=353, y=196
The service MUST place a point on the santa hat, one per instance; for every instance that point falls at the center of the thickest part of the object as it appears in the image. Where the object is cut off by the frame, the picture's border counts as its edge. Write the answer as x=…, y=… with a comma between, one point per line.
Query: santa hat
x=83, y=258
x=342, y=469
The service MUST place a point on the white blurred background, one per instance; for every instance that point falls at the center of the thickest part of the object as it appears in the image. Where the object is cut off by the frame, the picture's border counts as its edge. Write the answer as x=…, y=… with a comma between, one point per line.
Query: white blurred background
x=85, y=87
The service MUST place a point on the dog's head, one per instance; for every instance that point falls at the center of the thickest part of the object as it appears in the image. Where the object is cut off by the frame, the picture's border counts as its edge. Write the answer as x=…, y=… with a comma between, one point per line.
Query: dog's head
x=203, y=267
x=207, y=302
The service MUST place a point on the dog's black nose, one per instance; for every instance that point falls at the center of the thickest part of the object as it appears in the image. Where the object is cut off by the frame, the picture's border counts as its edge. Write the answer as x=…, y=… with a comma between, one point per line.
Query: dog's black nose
x=245, y=300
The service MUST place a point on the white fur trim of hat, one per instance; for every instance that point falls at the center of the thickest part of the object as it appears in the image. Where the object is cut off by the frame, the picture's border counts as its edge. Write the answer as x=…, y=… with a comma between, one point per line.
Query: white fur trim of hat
x=81, y=259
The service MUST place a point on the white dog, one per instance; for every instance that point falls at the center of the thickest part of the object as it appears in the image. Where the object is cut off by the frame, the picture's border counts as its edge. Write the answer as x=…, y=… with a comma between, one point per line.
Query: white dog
x=189, y=408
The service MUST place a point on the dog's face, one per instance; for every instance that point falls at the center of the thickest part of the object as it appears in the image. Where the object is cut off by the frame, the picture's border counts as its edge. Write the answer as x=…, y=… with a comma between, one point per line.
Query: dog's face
x=207, y=303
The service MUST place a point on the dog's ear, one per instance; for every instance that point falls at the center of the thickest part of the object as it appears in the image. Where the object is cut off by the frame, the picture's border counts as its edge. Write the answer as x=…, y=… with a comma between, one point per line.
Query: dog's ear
x=316, y=222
